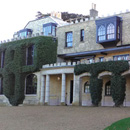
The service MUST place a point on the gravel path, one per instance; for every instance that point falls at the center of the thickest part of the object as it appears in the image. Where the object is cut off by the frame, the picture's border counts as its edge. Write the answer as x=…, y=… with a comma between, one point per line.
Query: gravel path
x=59, y=117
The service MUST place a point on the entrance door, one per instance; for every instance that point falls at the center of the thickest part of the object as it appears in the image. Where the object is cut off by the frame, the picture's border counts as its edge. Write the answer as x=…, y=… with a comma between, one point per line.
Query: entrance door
x=71, y=91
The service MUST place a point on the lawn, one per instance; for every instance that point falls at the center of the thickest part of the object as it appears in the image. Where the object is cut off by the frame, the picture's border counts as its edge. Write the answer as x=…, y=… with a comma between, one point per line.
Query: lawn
x=123, y=124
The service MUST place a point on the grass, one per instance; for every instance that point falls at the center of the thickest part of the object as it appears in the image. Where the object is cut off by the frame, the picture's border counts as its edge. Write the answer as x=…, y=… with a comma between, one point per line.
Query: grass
x=123, y=124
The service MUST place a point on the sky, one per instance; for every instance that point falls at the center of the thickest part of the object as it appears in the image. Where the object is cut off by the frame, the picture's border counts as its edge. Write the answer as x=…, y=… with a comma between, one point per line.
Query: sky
x=15, y=14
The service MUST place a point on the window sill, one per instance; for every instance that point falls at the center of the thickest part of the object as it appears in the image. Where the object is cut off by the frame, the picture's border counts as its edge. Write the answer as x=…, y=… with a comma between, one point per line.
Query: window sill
x=31, y=95
x=68, y=47
x=82, y=41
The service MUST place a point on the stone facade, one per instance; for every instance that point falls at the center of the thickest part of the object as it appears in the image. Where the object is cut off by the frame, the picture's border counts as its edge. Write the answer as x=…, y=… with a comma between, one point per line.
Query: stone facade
x=89, y=43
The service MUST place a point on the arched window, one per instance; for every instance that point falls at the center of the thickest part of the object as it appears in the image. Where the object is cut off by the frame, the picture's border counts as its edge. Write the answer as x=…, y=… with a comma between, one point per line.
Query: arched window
x=110, y=31
x=108, y=89
x=31, y=84
x=101, y=33
x=86, y=87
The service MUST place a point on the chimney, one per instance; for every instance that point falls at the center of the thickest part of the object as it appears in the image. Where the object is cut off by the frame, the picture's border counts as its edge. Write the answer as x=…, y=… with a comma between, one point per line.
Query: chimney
x=93, y=11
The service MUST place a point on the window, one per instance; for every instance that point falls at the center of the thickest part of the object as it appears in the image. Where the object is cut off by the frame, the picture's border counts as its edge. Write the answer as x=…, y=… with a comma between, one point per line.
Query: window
x=24, y=32
x=69, y=39
x=1, y=85
x=101, y=33
x=101, y=59
x=120, y=57
x=30, y=55
x=31, y=84
x=110, y=31
x=91, y=60
x=2, y=59
x=108, y=89
x=49, y=29
x=82, y=35
x=86, y=87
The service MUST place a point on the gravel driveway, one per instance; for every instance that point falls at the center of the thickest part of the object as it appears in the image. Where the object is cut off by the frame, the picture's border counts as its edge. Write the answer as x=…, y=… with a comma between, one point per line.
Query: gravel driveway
x=59, y=117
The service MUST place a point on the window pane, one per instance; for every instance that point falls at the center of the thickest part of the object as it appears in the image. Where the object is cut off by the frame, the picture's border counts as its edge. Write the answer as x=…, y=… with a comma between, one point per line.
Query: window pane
x=101, y=33
x=121, y=57
x=23, y=34
x=82, y=35
x=86, y=87
x=31, y=84
x=53, y=30
x=110, y=31
x=69, y=39
x=47, y=30
x=108, y=89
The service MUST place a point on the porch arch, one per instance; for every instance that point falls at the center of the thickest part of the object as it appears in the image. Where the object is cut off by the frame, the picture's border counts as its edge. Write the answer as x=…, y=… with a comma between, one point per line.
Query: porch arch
x=77, y=96
x=104, y=73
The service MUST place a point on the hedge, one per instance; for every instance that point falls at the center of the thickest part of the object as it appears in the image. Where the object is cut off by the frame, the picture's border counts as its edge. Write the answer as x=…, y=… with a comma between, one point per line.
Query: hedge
x=117, y=81
x=15, y=69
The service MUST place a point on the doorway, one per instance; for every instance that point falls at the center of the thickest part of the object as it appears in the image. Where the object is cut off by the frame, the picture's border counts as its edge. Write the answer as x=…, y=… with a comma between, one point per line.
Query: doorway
x=71, y=91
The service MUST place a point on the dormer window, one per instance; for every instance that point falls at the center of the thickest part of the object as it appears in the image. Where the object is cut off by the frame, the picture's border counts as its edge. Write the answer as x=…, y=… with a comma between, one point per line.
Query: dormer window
x=108, y=30
x=24, y=32
x=49, y=29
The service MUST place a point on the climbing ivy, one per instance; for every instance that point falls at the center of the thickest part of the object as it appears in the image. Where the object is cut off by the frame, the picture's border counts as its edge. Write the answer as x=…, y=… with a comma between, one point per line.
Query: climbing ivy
x=117, y=81
x=15, y=69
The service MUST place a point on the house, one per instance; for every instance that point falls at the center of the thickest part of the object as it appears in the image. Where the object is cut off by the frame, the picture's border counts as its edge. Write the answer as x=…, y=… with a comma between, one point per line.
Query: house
x=94, y=42
x=91, y=66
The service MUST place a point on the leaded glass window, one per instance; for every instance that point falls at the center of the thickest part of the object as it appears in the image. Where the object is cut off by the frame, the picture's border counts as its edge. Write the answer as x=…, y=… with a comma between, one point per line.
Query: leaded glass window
x=101, y=33
x=110, y=31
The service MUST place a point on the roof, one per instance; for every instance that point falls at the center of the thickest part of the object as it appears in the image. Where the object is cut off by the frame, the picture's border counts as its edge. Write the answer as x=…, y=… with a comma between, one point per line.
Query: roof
x=60, y=22
x=88, y=53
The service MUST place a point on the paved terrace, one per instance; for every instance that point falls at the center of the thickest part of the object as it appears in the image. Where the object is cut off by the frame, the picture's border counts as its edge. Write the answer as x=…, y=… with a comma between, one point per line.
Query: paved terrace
x=60, y=118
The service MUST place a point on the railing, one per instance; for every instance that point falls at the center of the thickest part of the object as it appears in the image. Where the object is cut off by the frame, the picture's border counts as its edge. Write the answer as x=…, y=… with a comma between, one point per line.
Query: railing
x=71, y=64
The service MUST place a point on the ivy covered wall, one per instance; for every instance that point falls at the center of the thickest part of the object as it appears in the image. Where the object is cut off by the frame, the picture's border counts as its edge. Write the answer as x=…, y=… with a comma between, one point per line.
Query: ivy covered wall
x=15, y=69
x=117, y=81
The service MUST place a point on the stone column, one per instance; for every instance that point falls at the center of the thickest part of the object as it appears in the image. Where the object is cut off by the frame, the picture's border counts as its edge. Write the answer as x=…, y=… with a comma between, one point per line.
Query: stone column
x=63, y=89
x=47, y=95
x=42, y=89
x=76, y=91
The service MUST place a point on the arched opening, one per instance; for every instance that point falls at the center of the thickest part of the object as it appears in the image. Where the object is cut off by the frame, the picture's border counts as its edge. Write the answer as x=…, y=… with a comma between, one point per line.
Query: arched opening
x=107, y=99
x=31, y=84
x=85, y=96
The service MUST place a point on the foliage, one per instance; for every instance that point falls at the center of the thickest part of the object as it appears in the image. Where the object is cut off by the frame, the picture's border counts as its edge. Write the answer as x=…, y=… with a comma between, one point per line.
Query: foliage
x=123, y=124
x=117, y=81
x=15, y=69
